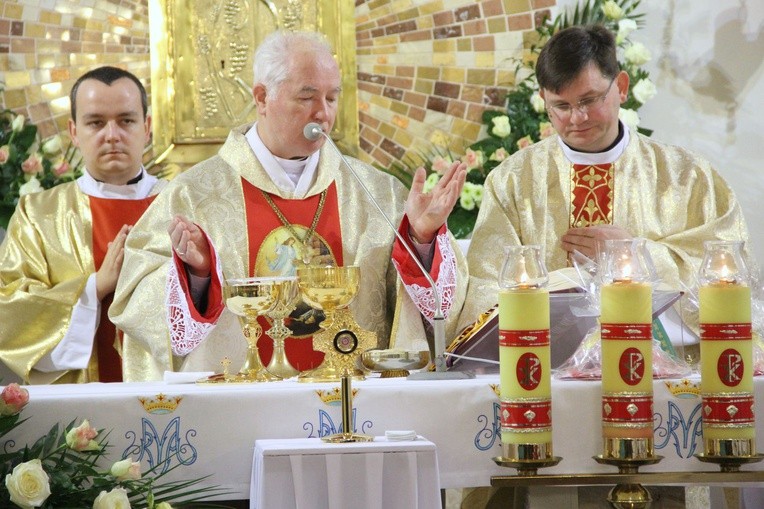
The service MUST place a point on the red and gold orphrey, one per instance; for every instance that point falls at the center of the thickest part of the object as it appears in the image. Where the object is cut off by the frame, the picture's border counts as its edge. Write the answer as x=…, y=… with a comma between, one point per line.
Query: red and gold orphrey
x=591, y=194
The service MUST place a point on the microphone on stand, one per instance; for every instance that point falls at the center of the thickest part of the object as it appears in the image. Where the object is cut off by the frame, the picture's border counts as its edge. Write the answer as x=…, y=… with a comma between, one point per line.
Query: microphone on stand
x=312, y=132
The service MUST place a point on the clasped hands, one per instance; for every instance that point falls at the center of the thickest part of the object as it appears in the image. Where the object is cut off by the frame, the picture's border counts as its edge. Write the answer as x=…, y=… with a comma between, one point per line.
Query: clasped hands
x=588, y=240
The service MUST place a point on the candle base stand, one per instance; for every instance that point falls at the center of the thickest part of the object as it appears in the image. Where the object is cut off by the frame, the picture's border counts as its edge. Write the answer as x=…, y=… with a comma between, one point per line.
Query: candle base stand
x=629, y=495
x=628, y=454
x=730, y=453
x=526, y=458
x=347, y=434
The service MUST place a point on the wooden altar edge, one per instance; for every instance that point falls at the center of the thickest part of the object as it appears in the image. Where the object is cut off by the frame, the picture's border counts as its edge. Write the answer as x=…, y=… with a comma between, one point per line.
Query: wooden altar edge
x=645, y=478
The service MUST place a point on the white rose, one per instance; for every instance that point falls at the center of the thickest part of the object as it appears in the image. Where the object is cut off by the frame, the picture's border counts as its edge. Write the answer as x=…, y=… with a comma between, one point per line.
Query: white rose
x=625, y=27
x=538, y=103
x=611, y=10
x=637, y=54
x=163, y=505
x=52, y=146
x=28, y=484
x=644, y=90
x=115, y=499
x=18, y=123
x=126, y=470
x=32, y=186
x=501, y=127
x=630, y=118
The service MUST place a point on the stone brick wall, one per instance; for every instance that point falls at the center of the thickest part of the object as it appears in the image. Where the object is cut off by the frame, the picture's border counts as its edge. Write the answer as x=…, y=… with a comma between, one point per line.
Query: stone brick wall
x=45, y=45
x=427, y=69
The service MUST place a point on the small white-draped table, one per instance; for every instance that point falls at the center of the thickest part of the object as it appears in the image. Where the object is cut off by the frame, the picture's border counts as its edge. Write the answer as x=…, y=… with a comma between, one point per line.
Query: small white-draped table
x=308, y=472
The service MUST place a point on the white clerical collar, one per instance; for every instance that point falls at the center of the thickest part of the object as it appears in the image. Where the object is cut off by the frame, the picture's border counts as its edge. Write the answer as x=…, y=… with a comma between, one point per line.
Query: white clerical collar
x=279, y=169
x=606, y=157
x=136, y=191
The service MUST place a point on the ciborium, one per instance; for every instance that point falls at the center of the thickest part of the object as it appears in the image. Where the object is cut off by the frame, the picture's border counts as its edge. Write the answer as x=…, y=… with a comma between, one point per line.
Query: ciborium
x=341, y=339
x=288, y=294
x=249, y=298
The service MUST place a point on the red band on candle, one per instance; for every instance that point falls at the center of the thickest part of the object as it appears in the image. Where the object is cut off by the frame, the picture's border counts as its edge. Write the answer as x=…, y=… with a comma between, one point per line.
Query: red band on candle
x=627, y=409
x=725, y=331
x=526, y=415
x=728, y=410
x=629, y=331
x=524, y=337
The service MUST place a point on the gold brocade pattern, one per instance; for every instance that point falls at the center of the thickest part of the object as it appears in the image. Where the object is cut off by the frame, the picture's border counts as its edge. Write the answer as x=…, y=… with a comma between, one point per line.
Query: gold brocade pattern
x=45, y=262
x=210, y=194
x=591, y=194
x=663, y=193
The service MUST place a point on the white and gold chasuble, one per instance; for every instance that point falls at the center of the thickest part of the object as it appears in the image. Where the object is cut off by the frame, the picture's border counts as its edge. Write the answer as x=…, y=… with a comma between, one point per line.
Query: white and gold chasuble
x=45, y=261
x=211, y=195
x=662, y=193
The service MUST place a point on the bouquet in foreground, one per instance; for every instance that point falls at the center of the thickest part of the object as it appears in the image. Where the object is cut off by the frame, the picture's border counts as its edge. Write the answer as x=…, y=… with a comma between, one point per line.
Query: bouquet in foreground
x=62, y=470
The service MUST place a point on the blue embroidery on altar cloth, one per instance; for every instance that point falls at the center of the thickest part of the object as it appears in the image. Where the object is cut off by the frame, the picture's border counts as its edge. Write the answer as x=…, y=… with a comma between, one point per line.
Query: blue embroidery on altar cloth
x=166, y=449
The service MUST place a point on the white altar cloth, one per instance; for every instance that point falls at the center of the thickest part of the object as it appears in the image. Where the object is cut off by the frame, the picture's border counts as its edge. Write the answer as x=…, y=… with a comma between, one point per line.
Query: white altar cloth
x=213, y=428
x=307, y=472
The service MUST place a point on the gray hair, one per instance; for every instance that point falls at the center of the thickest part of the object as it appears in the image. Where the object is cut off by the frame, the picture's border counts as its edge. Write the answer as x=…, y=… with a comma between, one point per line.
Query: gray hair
x=274, y=54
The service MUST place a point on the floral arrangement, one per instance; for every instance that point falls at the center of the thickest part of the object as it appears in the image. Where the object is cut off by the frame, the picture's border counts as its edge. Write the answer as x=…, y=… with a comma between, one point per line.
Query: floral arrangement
x=62, y=470
x=27, y=164
x=525, y=121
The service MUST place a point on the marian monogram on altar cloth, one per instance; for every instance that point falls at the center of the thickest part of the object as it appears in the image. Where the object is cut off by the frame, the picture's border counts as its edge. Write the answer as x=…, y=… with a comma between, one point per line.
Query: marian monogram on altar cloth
x=591, y=194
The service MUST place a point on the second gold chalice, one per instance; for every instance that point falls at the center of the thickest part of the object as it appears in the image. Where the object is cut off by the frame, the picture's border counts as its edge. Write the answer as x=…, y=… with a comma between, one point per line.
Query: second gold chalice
x=288, y=293
x=341, y=339
x=249, y=298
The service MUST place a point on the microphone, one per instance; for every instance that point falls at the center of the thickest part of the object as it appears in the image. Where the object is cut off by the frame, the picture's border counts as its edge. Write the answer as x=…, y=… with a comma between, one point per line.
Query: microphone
x=312, y=132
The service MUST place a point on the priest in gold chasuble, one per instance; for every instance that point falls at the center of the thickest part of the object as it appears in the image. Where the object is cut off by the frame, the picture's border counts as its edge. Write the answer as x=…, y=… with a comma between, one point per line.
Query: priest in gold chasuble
x=269, y=201
x=61, y=257
x=596, y=179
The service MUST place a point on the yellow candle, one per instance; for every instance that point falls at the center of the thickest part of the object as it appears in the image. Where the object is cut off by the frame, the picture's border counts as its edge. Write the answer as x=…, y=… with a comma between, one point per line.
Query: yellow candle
x=627, y=376
x=726, y=355
x=525, y=365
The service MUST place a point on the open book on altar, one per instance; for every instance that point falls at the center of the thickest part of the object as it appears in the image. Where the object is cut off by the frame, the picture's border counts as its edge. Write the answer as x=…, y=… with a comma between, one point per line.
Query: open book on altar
x=572, y=316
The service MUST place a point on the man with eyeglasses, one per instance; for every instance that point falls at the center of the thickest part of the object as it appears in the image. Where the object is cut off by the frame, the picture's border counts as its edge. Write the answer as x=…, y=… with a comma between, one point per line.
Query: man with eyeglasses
x=597, y=179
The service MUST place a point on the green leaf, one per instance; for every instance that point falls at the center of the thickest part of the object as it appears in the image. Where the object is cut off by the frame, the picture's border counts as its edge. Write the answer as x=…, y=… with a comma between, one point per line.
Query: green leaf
x=461, y=222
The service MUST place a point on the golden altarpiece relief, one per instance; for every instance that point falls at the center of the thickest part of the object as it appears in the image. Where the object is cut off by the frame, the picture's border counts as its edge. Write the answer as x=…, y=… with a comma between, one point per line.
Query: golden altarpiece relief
x=201, y=68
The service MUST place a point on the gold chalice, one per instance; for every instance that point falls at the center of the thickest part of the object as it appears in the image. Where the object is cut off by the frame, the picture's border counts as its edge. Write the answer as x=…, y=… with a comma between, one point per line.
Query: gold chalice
x=288, y=295
x=249, y=298
x=332, y=289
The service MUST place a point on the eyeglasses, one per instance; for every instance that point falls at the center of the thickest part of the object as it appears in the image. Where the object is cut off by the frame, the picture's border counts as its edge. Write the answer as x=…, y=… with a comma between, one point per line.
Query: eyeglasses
x=564, y=111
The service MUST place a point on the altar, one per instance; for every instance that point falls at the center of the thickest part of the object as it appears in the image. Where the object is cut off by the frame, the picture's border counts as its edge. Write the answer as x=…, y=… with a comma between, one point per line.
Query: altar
x=212, y=429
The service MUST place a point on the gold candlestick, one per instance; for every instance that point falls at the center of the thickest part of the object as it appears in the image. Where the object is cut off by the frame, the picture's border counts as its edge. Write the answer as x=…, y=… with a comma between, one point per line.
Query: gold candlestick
x=347, y=434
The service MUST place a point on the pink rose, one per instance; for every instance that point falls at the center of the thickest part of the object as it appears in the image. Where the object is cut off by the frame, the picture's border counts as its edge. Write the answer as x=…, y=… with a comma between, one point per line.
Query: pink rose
x=441, y=164
x=5, y=152
x=524, y=142
x=60, y=168
x=33, y=164
x=81, y=438
x=14, y=399
x=473, y=159
x=546, y=130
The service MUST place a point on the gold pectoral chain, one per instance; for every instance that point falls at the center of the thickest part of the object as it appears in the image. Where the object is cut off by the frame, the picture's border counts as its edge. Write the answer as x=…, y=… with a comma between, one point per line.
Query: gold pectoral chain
x=309, y=234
